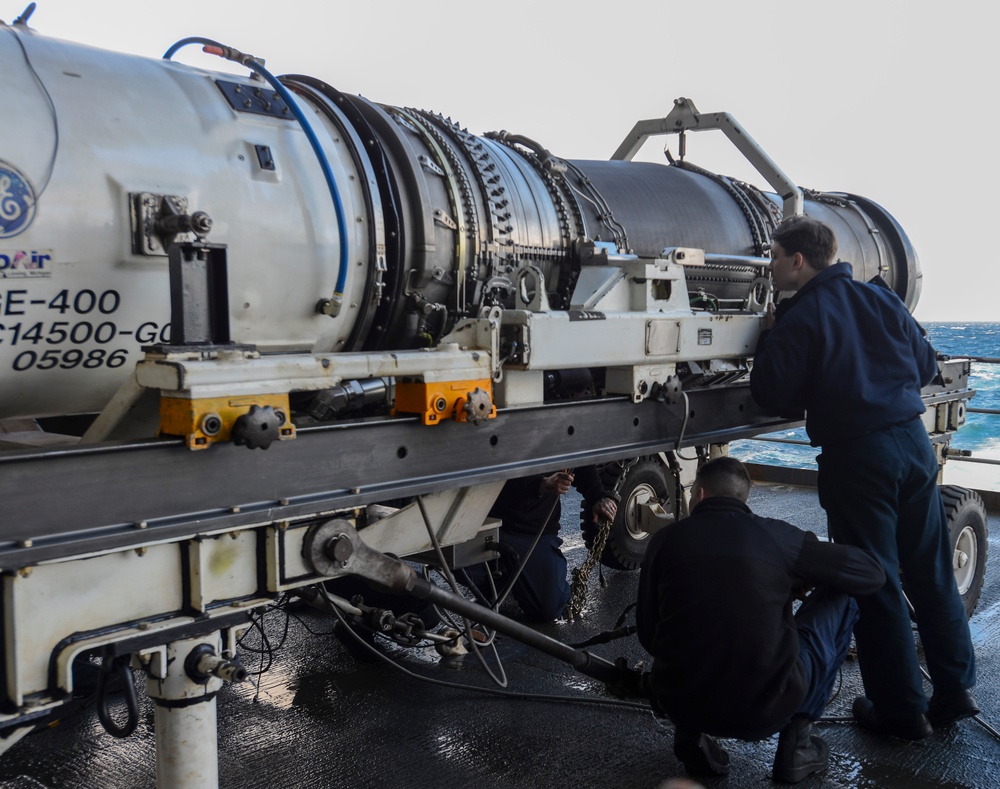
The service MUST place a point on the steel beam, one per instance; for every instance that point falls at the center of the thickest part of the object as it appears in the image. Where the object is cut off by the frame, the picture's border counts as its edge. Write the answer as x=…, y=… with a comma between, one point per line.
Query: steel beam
x=59, y=503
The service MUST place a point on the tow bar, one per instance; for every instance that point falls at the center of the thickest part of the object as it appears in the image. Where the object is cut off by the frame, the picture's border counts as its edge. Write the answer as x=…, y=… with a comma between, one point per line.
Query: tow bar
x=335, y=546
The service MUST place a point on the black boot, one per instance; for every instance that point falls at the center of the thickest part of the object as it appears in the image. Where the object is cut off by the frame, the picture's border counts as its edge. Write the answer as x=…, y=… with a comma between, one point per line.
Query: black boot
x=947, y=708
x=913, y=727
x=699, y=753
x=800, y=752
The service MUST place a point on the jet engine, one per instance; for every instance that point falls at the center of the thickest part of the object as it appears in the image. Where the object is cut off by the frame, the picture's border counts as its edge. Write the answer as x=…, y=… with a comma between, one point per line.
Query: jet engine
x=347, y=225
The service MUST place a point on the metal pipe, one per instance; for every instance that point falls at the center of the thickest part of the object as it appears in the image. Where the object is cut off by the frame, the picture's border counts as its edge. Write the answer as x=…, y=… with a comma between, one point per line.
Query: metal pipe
x=986, y=461
x=795, y=441
x=581, y=660
x=743, y=260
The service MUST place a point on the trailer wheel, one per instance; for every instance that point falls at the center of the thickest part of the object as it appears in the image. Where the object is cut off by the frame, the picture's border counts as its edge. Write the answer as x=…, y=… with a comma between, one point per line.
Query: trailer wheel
x=626, y=545
x=965, y=515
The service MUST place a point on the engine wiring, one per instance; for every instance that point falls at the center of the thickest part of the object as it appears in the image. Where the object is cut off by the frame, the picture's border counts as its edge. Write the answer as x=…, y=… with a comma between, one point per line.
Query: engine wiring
x=661, y=723
x=700, y=300
x=267, y=649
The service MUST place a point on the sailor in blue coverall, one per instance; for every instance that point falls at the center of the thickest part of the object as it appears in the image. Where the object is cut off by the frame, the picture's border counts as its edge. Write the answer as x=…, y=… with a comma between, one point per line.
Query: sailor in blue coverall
x=529, y=508
x=729, y=657
x=852, y=356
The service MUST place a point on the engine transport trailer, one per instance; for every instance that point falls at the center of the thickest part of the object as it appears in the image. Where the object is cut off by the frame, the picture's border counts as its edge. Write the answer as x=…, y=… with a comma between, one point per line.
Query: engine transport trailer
x=240, y=316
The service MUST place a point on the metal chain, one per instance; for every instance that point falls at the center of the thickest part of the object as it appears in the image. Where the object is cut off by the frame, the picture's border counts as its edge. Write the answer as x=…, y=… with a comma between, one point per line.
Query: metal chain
x=581, y=574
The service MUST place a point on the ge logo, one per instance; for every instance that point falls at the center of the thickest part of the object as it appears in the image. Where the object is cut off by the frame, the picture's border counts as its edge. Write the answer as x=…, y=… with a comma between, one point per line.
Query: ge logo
x=17, y=201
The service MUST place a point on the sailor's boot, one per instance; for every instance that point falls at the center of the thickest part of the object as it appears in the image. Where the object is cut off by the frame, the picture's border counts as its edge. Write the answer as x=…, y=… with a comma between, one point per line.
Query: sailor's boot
x=699, y=753
x=800, y=752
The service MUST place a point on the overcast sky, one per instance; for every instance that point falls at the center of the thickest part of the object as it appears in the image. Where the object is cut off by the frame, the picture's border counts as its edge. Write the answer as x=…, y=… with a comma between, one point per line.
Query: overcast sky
x=892, y=100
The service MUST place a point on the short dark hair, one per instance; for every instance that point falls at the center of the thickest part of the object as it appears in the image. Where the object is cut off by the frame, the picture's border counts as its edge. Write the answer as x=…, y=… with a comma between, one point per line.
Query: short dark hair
x=814, y=239
x=724, y=476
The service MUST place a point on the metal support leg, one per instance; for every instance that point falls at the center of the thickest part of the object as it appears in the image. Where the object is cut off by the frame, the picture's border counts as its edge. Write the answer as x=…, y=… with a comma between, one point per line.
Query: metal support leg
x=187, y=746
x=184, y=679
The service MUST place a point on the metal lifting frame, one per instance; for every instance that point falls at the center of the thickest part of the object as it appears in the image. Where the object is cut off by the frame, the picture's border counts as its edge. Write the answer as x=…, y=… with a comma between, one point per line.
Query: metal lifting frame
x=685, y=117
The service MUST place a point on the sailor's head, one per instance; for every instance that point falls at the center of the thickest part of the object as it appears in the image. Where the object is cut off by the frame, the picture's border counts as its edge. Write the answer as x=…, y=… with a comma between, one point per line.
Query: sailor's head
x=725, y=477
x=801, y=247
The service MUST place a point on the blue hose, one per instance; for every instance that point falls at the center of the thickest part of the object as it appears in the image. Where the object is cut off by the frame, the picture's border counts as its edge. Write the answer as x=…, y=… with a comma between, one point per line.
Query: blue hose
x=254, y=65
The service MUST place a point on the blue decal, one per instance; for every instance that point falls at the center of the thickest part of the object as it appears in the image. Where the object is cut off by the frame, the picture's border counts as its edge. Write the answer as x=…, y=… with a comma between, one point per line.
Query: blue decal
x=17, y=201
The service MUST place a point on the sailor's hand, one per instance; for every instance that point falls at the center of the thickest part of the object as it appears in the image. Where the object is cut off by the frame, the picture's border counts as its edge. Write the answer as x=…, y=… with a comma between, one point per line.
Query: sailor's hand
x=605, y=508
x=560, y=483
x=800, y=589
x=769, y=316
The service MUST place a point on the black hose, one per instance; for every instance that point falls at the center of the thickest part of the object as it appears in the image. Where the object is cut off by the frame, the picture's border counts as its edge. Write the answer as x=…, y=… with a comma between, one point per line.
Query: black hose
x=120, y=666
x=606, y=637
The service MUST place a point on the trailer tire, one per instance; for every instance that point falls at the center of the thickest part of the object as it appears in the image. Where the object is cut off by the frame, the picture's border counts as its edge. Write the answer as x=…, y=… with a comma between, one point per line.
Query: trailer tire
x=965, y=515
x=626, y=545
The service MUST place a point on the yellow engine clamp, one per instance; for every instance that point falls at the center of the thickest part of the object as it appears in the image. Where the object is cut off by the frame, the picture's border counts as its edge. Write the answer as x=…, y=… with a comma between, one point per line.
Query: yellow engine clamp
x=440, y=400
x=181, y=416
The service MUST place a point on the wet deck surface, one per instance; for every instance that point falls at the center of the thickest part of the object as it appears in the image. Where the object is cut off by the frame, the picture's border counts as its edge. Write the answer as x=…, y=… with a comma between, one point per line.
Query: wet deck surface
x=321, y=719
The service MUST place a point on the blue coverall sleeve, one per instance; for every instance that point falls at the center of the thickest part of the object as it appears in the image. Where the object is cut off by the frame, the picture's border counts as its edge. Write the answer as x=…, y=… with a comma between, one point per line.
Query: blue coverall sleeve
x=923, y=353
x=842, y=567
x=781, y=367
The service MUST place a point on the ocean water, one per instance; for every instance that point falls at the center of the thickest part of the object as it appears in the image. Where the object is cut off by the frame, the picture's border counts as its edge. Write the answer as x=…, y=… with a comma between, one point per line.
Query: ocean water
x=980, y=434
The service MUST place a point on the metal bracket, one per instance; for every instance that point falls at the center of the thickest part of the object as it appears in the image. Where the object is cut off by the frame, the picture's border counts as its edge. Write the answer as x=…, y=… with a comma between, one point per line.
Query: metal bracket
x=199, y=295
x=147, y=212
x=530, y=291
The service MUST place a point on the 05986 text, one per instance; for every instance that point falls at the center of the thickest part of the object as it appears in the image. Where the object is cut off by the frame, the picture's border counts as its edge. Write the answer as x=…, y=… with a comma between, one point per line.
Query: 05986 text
x=69, y=359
